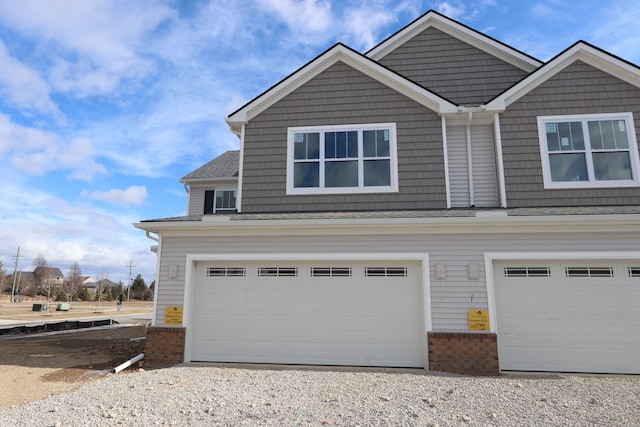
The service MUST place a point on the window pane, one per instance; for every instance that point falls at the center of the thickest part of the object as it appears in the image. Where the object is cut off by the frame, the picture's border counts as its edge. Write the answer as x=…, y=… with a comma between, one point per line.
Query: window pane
x=225, y=199
x=352, y=144
x=375, y=143
x=306, y=174
x=569, y=135
x=377, y=173
x=383, y=143
x=306, y=146
x=553, y=141
x=341, y=174
x=620, y=133
x=577, y=137
x=612, y=166
x=313, y=145
x=341, y=145
x=568, y=167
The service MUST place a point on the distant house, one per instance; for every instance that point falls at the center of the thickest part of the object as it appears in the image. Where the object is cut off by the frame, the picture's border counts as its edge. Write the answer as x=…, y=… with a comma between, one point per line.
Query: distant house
x=92, y=285
x=442, y=201
x=48, y=276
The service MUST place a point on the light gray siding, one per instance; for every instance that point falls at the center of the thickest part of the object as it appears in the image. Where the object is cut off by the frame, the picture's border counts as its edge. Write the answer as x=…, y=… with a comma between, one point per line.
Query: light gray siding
x=450, y=299
x=451, y=68
x=196, y=198
x=579, y=89
x=196, y=194
x=342, y=95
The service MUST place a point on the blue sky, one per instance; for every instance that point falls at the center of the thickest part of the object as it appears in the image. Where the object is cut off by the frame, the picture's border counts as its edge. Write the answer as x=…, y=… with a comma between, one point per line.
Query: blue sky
x=105, y=105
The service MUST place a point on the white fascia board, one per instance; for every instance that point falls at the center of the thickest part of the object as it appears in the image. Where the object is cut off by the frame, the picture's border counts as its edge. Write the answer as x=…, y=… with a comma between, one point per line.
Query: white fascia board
x=579, y=52
x=462, y=33
x=320, y=64
x=436, y=225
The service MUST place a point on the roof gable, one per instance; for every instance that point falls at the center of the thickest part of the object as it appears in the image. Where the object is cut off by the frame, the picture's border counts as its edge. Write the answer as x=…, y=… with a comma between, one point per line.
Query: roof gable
x=580, y=51
x=339, y=53
x=459, y=31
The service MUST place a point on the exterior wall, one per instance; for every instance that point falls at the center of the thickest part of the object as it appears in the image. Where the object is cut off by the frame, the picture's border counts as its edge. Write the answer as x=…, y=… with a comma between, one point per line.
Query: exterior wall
x=450, y=298
x=468, y=354
x=196, y=198
x=451, y=68
x=196, y=194
x=164, y=346
x=342, y=95
x=579, y=89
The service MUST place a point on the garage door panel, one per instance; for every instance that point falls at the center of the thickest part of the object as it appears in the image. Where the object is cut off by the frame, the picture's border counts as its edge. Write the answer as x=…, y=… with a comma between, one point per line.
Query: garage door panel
x=355, y=320
x=566, y=323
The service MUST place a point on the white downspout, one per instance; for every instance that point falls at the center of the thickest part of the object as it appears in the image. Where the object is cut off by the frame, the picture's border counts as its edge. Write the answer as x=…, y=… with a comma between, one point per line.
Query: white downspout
x=472, y=197
x=445, y=152
x=498, y=142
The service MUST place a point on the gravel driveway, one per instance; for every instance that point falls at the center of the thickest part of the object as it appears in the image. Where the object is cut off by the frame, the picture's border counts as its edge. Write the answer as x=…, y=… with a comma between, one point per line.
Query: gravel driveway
x=198, y=395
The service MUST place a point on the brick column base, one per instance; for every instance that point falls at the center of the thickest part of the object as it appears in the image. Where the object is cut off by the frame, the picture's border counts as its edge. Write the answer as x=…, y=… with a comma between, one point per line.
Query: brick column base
x=463, y=353
x=164, y=346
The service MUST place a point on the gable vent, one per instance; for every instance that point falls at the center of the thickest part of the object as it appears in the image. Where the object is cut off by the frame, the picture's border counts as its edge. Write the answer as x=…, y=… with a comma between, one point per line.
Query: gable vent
x=527, y=272
x=589, y=271
x=330, y=271
x=226, y=272
x=278, y=272
x=385, y=271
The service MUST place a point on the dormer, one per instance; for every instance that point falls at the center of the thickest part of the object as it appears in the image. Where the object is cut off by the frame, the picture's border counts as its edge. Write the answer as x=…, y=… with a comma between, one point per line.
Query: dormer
x=213, y=187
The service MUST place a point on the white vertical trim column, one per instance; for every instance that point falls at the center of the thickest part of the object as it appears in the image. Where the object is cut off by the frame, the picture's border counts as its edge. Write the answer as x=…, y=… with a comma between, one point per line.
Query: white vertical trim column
x=498, y=141
x=240, y=169
x=472, y=198
x=445, y=152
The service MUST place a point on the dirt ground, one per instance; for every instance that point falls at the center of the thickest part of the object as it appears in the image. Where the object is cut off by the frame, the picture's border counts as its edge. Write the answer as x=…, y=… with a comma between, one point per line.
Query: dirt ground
x=34, y=367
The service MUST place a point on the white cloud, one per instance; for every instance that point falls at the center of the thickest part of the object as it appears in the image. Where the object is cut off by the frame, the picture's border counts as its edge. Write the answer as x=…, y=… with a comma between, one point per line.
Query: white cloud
x=38, y=152
x=92, y=43
x=23, y=87
x=453, y=11
x=303, y=16
x=134, y=195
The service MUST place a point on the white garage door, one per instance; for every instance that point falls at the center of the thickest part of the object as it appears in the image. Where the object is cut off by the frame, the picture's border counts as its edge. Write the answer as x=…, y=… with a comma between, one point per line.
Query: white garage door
x=571, y=316
x=326, y=313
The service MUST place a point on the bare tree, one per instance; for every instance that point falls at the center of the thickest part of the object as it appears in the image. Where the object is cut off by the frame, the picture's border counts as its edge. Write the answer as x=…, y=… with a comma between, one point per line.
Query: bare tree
x=3, y=276
x=74, y=279
x=38, y=273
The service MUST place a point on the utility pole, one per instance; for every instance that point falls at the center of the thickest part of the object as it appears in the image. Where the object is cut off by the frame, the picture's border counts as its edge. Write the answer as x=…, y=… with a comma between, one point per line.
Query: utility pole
x=129, y=282
x=15, y=271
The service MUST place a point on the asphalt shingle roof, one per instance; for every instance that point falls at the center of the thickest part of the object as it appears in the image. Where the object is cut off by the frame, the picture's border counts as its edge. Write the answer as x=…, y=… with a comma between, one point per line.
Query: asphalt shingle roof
x=225, y=165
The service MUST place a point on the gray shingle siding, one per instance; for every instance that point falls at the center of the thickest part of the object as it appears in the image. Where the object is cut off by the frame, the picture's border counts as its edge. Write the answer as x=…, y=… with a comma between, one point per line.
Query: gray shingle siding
x=579, y=89
x=342, y=95
x=453, y=69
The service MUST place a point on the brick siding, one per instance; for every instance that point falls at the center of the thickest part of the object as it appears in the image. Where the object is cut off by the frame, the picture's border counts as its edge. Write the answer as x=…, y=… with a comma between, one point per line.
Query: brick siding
x=464, y=353
x=164, y=346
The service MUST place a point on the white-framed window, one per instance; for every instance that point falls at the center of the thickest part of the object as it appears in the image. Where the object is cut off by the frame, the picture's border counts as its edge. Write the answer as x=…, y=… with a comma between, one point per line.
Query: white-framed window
x=342, y=159
x=593, y=150
x=219, y=200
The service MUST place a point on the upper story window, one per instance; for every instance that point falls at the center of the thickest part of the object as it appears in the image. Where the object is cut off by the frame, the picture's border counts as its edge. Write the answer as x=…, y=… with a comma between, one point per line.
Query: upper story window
x=595, y=150
x=342, y=159
x=219, y=201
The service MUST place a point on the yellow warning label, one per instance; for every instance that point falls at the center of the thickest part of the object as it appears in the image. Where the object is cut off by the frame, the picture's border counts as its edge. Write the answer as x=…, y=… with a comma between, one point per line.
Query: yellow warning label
x=173, y=315
x=479, y=320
